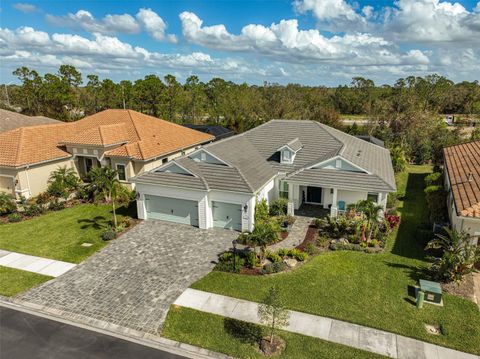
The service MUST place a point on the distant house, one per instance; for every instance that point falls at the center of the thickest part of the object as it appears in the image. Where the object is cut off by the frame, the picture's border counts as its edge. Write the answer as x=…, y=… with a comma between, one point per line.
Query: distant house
x=219, y=132
x=462, y=178
x=305, y=162
x=129, y=141
x=10, y=120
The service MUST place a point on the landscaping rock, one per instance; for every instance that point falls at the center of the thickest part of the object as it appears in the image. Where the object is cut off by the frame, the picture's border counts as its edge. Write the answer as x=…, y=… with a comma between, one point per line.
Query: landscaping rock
x=290, y=262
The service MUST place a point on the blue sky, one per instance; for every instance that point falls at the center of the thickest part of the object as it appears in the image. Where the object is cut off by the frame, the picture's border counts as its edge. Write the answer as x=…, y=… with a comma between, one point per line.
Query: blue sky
x=314, y=42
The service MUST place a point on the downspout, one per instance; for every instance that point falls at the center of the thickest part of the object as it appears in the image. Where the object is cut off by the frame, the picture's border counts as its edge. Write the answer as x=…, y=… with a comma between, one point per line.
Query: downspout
x=28, y=181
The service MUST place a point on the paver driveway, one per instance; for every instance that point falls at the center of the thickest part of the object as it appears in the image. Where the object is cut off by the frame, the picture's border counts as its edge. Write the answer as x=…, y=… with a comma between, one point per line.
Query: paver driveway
x=133, y=281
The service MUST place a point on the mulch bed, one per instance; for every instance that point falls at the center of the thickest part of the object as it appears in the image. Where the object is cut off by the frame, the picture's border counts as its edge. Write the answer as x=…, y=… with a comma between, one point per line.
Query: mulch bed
x=310, y=237
x=464, y=289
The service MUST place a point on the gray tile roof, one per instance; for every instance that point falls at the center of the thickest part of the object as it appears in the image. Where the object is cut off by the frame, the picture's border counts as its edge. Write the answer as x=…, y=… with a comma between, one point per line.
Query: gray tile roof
x=10, y=120
x=253, y=159
x=171, y=180
x=340, y=179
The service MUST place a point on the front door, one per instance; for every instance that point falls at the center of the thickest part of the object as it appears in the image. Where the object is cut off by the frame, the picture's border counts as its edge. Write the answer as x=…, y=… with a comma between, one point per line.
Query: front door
x=88, y=164
x=314, y=194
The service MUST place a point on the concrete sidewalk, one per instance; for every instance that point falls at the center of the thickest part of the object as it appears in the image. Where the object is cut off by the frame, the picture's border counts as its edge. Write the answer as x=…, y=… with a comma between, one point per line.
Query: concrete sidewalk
x=48, y=267
x=357, y=336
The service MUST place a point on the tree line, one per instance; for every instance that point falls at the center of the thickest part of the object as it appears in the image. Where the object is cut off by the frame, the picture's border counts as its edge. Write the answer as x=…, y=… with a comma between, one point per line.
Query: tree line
x=405, y=114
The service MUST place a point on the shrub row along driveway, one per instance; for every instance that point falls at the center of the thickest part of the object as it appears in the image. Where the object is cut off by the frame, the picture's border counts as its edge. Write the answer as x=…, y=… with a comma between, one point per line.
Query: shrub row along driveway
x=133, y=281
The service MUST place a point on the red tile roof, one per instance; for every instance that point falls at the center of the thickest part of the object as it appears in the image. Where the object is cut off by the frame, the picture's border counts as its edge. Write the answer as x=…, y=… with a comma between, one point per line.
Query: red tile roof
x=139, y=137
x=463, y=170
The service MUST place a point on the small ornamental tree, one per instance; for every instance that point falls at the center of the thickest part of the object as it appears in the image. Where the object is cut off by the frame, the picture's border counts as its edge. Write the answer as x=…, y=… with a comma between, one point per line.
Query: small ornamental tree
x=272, y=312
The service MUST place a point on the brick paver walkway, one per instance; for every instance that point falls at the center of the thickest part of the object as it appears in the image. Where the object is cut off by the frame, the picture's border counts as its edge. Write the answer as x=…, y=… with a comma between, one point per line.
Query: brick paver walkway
x=133, y=281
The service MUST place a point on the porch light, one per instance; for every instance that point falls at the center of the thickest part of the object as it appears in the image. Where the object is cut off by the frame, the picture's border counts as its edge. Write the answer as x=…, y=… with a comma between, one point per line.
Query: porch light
x=245, y=208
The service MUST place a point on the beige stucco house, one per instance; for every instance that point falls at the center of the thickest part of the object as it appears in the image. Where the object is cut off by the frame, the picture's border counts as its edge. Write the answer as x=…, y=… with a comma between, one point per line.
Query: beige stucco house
x=462, y=180
x=129, y=141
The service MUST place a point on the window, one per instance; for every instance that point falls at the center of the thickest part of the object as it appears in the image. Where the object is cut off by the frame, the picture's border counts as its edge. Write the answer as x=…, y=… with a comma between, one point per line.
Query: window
x=121, y=172
x=372, y=197
x=286, y=156
x=283, y=189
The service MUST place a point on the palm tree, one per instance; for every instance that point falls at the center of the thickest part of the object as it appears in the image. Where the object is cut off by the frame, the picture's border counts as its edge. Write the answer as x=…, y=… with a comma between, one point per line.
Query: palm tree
x=105, y=186
x=65, y=176
x=371, y=211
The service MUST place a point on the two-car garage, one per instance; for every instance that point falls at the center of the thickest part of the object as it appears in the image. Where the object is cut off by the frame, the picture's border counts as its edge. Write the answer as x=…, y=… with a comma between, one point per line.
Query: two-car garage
x=225, y=215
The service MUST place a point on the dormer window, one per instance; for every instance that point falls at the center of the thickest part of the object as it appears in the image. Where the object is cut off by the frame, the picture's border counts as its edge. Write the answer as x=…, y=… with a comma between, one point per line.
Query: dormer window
x=286, y=156
x=289, y=151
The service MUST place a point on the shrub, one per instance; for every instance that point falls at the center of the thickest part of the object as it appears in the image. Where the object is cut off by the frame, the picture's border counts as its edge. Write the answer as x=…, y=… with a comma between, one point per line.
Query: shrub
x=7, y=203
x=392, y=220
x=226, y=262
x=323, y=241
x=243, y=238
x=310, y=249
x=458, y=257
x=56, y=206
x=109, y=234
x=298, y=255
x=279, y=207
x=434, y=179
x=282, y=252
x=347, y=247
x=273, y=257
x=14, y=217
x=274, y=268
x=261, y=211
x=126, y=222
x=251, y=259
x=436, y=198
x=33, y=210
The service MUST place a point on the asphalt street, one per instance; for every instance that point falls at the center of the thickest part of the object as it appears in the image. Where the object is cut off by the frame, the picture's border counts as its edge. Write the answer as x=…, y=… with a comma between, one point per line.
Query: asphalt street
x=24, y=335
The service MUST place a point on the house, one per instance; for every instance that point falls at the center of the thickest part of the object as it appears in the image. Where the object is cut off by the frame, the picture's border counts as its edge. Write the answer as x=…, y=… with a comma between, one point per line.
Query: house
x=10, y=120
x=219, y=184
x=462, y=180
x=129, y=141
x=219, y=132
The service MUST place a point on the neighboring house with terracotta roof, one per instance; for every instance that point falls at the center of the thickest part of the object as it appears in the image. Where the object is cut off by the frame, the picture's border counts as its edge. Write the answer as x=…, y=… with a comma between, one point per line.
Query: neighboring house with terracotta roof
x=306, y=162
x=462, y=178
x=129, y=141
x=10, y=120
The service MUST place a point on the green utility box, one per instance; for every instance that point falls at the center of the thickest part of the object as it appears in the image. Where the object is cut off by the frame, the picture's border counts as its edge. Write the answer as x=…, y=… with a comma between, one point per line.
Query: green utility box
x=433, y=292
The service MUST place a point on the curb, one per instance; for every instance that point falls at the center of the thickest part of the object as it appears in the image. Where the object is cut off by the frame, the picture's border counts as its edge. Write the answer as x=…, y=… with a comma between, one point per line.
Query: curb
x=116, y=331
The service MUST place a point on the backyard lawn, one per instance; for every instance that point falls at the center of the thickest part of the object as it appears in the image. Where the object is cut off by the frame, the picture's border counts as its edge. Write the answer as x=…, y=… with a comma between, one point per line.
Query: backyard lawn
x=14, y=281
x=59, y=235
x=368, y=289
x=238, y=339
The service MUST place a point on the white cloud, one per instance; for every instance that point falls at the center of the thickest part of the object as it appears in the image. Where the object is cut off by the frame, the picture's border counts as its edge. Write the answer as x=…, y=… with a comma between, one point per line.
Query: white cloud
x=84, y=20
x=432, y=21
x=105, y=54
x=286, y=41
x=332, y=14
x=24, y=7
x=154, y=25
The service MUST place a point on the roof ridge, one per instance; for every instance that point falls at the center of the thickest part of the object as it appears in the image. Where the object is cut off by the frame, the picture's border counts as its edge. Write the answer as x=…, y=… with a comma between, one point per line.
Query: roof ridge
x=134, y=126
x=101, y=134
x=19, y=147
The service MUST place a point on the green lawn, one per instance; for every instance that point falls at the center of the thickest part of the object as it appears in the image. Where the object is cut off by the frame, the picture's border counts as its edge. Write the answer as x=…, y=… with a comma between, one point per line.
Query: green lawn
x=237, y=338
x=368, y=289
x=14, y=281
x=59, y=235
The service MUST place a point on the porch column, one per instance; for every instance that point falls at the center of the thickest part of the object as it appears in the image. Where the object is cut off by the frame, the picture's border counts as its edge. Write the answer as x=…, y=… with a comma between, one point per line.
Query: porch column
x=334, y=208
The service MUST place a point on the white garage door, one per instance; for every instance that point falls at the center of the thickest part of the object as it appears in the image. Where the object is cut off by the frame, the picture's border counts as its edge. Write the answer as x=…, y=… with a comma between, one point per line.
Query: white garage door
x=172, y=209
x=227, y=215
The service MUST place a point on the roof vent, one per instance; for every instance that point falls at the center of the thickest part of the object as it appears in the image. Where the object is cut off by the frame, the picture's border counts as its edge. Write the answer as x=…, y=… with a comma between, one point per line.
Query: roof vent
x=359, y=153
x=470, y=177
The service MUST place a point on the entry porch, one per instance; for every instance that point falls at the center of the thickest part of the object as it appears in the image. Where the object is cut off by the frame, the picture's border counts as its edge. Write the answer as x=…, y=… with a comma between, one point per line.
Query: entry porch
x=335, y=200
